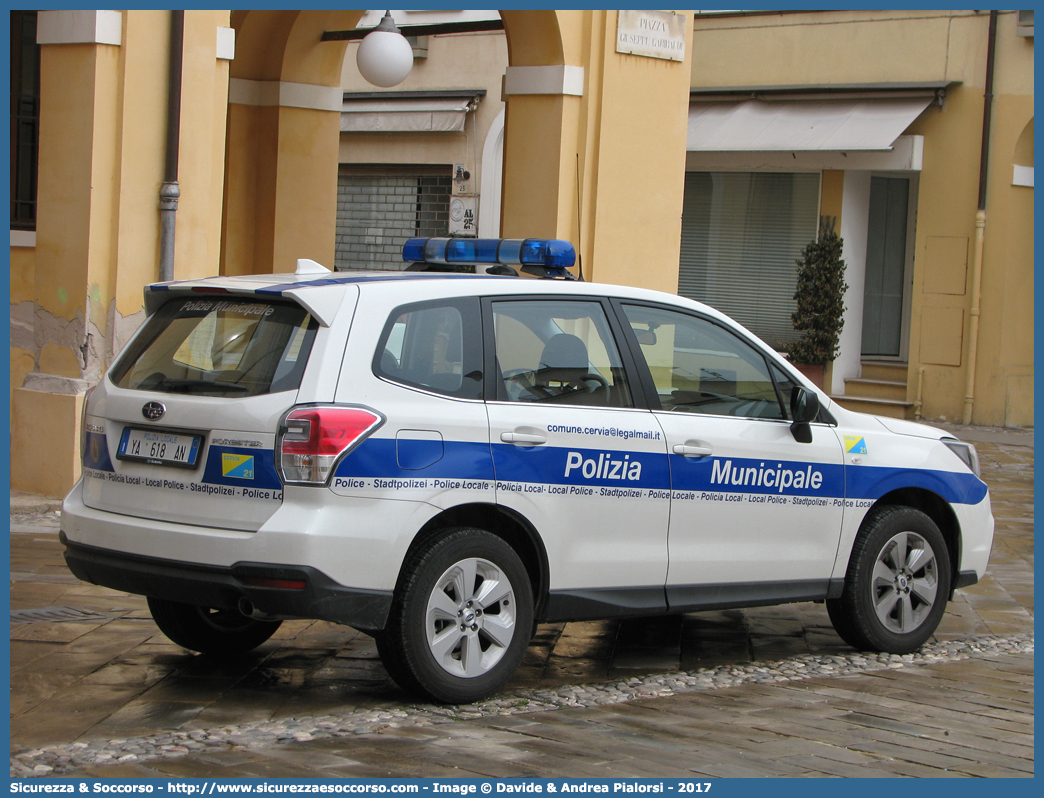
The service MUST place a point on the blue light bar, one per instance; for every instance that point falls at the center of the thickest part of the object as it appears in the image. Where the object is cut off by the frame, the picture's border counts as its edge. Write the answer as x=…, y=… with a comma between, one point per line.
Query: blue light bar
x=413, y=250
x=549, y=253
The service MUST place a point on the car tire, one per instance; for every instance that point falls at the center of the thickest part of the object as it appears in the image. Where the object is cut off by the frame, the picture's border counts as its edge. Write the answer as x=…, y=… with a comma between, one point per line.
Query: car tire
x=897, y=584
x=209, y=631
x=461, y=619
x=391, y=658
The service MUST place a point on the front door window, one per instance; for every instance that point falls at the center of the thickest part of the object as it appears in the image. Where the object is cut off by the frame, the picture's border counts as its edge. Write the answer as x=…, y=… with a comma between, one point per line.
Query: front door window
x=699, y=367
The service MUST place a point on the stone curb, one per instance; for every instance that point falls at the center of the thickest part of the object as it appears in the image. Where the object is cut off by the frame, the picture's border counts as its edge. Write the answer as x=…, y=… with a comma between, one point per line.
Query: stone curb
x=59, y=759
x=31, y=504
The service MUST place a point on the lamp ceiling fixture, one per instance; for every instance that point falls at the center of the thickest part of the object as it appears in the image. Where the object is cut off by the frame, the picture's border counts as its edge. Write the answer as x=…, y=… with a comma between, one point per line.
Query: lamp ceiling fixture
x=385, y=58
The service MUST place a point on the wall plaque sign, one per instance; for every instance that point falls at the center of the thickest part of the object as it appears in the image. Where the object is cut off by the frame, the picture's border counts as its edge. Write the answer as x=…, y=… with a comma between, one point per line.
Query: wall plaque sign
x=463, y=216
x=655, y=34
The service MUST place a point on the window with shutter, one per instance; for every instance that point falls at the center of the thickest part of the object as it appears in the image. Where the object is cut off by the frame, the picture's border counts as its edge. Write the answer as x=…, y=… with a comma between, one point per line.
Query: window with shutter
x=741, y=235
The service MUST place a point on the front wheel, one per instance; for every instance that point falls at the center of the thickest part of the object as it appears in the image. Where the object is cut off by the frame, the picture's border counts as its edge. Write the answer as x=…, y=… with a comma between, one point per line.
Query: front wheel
x=897, y=585
x=210, y=631
x=461, y=620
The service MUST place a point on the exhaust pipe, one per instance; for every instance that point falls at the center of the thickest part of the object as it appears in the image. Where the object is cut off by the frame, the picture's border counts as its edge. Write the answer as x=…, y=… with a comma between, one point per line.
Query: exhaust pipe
x=247, y=608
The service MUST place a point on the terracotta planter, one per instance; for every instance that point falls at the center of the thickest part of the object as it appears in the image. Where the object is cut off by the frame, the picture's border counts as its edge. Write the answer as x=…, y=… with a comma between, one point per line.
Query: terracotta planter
x=814, y=373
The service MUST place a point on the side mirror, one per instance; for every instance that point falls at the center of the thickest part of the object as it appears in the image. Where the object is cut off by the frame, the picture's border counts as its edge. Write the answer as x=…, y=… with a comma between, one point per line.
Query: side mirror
x=804, y=407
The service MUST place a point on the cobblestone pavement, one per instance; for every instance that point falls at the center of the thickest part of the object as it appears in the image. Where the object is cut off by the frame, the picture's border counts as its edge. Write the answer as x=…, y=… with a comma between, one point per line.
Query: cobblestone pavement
x=766, y=691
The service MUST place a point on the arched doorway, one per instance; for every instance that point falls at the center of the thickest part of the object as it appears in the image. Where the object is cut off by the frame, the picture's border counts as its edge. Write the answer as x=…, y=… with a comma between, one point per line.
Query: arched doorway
x=282, y=136
x=492, y=180
x=573, y=142
x=281, y=140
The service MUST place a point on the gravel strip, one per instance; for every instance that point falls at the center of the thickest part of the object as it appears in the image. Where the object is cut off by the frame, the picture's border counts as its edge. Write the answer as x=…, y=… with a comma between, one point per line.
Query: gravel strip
x=55, y=760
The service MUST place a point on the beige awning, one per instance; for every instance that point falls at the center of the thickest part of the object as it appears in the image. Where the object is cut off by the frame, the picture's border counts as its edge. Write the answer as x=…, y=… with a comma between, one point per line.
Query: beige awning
x=801, y=125
x=404, y=115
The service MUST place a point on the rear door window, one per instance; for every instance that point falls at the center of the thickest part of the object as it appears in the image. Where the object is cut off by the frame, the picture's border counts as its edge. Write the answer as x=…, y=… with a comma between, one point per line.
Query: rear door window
x=236, y=347
x=435, y=346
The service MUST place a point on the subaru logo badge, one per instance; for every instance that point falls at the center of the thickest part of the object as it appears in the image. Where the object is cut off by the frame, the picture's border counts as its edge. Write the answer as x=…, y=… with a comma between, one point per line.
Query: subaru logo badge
x=153, y=411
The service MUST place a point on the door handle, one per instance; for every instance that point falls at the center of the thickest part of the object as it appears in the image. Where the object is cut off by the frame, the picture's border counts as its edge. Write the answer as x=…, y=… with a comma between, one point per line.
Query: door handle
x=689, y=450
x=523, y=437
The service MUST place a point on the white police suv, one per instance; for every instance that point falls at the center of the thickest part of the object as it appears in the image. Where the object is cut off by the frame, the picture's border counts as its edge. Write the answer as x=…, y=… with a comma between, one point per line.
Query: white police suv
x=443, y=460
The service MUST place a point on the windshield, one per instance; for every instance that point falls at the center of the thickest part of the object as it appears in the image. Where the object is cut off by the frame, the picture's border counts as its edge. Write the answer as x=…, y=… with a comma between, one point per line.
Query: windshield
x=219, y=347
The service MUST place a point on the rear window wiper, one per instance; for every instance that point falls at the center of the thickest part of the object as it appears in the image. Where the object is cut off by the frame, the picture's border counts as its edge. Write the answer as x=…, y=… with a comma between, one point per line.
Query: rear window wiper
x=193, y=386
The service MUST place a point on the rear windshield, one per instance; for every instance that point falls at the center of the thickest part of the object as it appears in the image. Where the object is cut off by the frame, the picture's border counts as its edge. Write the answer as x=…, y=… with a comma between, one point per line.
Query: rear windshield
x=219, y=347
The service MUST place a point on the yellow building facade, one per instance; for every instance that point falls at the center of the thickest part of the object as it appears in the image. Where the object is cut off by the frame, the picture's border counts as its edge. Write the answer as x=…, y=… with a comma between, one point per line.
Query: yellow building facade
x=962, y=348
x=569, y=137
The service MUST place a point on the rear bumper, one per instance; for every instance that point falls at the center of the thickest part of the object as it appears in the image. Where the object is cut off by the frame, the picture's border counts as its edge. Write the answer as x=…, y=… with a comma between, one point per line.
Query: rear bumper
x=354, y=541
x=222, y=587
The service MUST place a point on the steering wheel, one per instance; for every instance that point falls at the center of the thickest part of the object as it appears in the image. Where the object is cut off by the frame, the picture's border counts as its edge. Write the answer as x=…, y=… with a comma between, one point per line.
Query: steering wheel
x=582, y=382
x=577, y=385
x=523, y=378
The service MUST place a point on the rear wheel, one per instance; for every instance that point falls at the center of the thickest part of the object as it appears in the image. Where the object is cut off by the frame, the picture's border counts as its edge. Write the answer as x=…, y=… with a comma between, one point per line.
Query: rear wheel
x=461, y=620
x=897, y=585
x=210, y=631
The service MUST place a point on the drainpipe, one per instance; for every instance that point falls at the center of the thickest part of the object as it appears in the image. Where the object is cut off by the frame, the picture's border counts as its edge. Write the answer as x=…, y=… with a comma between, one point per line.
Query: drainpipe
x=169, y=191
x=980, y=227
x=920, y=392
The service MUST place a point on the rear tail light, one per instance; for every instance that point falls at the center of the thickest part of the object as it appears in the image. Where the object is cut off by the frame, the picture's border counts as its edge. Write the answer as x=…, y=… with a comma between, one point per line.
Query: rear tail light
x=312, y=440
x=83, y=422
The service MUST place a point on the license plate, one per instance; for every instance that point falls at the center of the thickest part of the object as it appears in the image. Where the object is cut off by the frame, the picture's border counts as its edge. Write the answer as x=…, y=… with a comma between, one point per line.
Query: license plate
x=159, y=447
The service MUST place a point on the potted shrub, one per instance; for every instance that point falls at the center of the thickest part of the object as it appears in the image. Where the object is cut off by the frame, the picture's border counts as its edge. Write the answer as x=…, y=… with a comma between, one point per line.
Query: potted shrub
x=820, y=307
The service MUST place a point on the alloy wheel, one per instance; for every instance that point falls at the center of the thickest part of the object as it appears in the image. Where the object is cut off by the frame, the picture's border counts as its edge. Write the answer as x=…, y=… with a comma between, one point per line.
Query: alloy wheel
x=470, y=617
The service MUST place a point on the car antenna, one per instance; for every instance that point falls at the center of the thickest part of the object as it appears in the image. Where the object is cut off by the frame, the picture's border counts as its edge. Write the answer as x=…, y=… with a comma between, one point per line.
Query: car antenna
x=579, y=234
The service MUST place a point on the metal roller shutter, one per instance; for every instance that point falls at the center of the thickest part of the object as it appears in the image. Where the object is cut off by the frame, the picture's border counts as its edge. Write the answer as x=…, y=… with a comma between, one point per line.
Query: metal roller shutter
x=741, y=235
x=380, y=207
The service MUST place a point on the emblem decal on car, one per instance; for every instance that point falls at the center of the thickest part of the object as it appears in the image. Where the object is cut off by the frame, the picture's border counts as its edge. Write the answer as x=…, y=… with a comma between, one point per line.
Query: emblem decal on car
x=240, y=466
x=855, y=444
x=153, y=411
